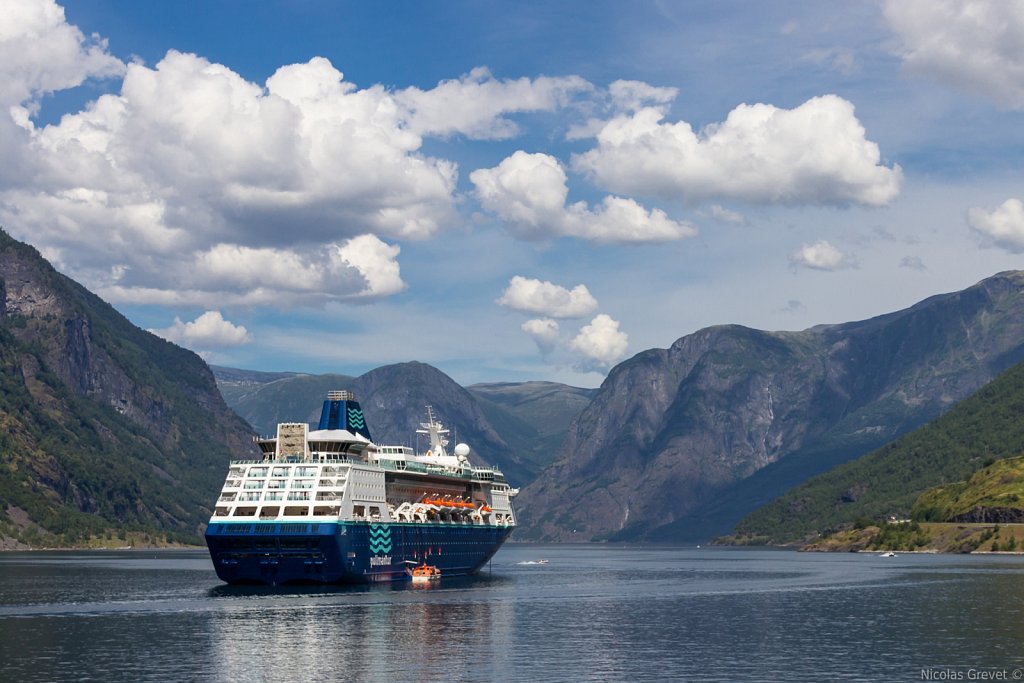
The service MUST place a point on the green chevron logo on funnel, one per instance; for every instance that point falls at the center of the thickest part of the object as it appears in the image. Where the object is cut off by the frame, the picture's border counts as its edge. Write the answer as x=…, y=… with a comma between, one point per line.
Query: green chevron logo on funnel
x=380, y=539
x=355, y=418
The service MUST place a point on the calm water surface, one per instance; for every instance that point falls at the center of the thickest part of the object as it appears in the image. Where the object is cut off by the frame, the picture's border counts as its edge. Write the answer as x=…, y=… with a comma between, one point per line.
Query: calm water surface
x=593, y=613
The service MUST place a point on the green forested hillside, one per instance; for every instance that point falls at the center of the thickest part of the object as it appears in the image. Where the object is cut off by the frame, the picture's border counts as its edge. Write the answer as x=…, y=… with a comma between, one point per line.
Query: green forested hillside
x=992, y=494
x=987, y=426
x=105, y=429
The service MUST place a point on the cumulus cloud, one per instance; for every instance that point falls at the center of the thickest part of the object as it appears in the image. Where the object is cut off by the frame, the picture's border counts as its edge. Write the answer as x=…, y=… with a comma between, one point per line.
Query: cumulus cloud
x=819, y=256
x=816, y=153
x=190, y=163
x=209, y=331
x=41, y=53
x=545, y=332
x=1003, y=227
x=528, y=192
x=601, y=343
x=548, y=299
x=358, y=269
x=973, y=45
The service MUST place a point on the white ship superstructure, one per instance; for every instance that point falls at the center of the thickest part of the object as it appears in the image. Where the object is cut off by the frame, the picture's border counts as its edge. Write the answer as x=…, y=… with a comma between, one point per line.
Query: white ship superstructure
x=330, y=505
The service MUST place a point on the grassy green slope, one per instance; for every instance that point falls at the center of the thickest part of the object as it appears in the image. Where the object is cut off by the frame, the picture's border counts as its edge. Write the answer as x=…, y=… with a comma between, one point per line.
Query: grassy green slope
x=996, y=490
x=983, y=427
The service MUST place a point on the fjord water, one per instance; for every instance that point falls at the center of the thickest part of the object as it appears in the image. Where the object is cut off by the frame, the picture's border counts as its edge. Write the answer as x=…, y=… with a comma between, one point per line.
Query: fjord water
x=592, y=613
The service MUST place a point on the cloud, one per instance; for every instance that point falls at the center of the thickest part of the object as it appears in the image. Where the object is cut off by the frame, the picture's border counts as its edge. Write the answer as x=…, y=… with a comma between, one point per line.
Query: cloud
x=305, y=175
x=819, y=256
x=601, y=344
x=793, y=306
x=723, y=215
x=528, y=192
x=41, y=53
x=543, y=331
x=1003, y=227
x=816, y=153
x=912, y=263
x=547, y=299
x=474, y=105
x=210, y=330
x=631, y=96
x=361, y=268
x=971, y=45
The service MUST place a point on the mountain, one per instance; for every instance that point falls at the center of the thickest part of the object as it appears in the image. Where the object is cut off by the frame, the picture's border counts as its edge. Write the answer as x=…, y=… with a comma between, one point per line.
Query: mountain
x=681, y=443
x=266, y=398
x=534, y=415
x=983, y=428
x=105, y=427
x=517, y=427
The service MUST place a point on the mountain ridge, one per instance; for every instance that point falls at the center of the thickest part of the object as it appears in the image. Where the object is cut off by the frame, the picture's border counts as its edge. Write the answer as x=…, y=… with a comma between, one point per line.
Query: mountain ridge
x=673, y=432
x=106, y=426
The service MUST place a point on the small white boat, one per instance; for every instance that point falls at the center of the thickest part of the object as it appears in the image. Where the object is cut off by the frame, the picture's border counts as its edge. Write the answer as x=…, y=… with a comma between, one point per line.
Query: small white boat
x=889, y=554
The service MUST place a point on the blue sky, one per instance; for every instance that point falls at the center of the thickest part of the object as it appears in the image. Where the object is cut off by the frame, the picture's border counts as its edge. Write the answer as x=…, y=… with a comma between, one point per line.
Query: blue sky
x=509, y=191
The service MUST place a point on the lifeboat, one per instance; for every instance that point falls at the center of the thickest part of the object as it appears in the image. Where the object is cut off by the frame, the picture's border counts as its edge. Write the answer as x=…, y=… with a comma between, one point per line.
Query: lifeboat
x=425, y=573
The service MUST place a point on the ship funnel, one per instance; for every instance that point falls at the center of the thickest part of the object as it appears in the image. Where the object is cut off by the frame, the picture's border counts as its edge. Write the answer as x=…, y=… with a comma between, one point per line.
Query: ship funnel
x=342, y=411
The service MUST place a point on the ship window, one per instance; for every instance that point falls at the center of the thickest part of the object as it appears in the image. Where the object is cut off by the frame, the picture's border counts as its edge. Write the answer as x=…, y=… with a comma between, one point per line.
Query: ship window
x=257, y=471
x=358, y=510
x=295, y=511
x=281, y=471
x=245, y=512
x=269, y=512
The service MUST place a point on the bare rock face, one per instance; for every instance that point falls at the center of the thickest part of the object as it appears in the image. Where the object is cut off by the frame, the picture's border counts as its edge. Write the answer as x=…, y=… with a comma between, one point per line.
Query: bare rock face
x=104, y=419
x=702, y=430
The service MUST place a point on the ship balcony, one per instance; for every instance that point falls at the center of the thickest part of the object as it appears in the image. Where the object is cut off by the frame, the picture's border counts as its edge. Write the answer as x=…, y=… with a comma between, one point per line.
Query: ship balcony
x=330, y=496
x=298, y=495
x=226, y=497
x=274, y=495
x=306, y=471
x=277, y=484
x=302, y=484
x=231, y=484
x=255, y=484
x=249, y=496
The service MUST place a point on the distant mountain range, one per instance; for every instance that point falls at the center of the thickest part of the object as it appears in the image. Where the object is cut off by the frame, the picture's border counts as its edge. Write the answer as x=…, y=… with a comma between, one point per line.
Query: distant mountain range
x=109, y=429
x=106, y=429
x=517, y=427
x=679, y=444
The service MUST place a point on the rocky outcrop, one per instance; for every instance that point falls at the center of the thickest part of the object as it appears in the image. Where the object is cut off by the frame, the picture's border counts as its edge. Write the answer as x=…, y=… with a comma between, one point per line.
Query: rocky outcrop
x=730, y=417
x=107, y=426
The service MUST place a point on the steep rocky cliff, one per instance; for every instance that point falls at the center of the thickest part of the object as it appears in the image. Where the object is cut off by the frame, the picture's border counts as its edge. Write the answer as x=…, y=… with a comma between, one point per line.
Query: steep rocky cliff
x=680, y=443
x=106, y=426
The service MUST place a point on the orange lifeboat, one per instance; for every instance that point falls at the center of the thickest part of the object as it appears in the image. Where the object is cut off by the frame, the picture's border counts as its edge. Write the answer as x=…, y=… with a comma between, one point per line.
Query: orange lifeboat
x=425, y=573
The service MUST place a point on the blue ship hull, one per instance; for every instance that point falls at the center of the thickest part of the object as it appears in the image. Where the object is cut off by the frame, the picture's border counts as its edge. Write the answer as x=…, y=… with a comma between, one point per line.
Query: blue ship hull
x=276, y=553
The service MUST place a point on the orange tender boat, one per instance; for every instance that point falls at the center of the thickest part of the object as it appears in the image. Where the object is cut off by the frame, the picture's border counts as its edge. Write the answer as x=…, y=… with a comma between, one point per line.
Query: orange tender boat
x=425, y=573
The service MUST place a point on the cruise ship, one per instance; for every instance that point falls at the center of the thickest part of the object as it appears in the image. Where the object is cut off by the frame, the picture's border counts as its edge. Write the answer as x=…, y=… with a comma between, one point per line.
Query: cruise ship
x=328, y=505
